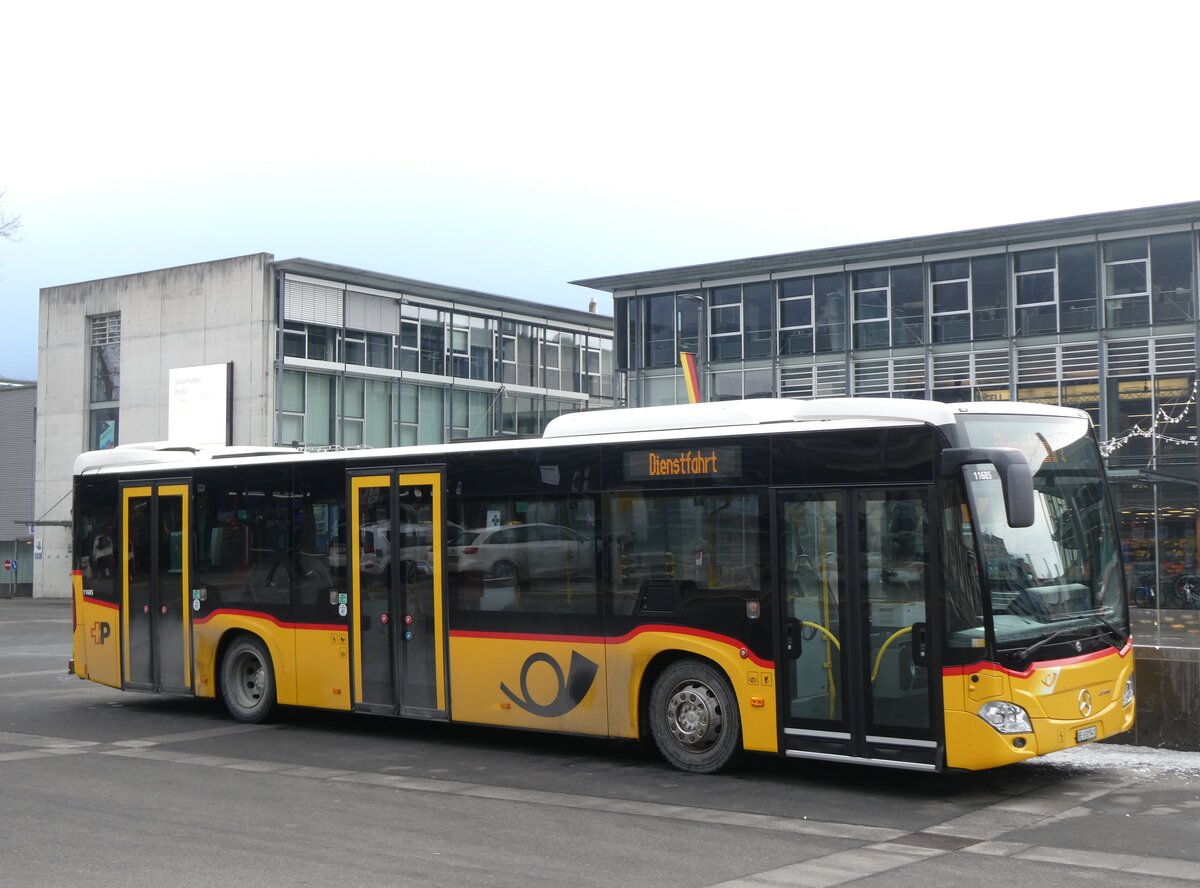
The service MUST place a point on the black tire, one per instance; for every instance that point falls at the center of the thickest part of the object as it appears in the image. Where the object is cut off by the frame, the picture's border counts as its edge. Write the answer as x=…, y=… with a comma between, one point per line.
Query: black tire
x=506, y=571
x=694, y=717
x=247, y=680
x=1187, y=591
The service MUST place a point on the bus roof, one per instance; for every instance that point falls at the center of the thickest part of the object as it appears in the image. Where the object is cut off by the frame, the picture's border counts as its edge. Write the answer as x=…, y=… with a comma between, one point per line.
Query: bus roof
x=742, y=417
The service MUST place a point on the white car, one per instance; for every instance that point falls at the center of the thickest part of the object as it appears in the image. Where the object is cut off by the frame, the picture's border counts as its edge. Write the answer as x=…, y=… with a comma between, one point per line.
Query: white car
x=522, y=552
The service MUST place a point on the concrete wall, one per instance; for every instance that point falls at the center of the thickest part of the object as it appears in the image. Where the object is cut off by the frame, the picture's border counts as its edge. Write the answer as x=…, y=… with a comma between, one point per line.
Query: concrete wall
x=208, y=313
x=1168, y=698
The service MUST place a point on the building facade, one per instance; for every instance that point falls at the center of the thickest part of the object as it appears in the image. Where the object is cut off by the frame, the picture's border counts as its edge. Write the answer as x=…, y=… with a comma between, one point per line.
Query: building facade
x=18, y=402
x=254, y=351
x=1097, y=312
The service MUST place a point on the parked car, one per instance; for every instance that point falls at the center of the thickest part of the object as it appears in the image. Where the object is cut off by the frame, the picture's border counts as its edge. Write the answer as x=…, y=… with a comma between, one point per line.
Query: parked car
x=375, y=554
x=522, y=552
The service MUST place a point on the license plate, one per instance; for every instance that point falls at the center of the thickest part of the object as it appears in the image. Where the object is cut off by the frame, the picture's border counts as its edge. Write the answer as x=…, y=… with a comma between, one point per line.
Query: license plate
x=1083, y=735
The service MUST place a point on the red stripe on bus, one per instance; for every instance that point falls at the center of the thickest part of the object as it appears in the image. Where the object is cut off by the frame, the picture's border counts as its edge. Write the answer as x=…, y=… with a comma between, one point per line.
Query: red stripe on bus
x=223, y=611
x=1037, y=664
x=100, y=603
x=615, y=640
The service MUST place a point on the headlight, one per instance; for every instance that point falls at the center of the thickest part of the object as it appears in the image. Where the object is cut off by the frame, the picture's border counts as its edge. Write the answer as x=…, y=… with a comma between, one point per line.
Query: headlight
x=1007, y=718
x=1128, y=698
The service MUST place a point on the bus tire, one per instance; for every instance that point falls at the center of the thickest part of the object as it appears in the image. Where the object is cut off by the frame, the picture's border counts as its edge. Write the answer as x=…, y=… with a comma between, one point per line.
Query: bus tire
x=694, y=717
x=247, y=680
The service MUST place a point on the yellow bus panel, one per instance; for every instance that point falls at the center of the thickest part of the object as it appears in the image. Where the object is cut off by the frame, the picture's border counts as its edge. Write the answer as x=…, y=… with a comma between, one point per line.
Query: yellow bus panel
x=95, y=640
x=1062, y=698
x=591, y=685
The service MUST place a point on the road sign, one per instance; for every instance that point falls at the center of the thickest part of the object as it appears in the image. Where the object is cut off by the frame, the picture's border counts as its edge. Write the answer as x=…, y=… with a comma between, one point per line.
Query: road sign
x=8, y=565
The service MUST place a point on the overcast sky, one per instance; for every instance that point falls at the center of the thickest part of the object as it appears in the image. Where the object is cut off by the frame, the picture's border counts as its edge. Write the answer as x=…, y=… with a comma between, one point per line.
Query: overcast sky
x=513, y=146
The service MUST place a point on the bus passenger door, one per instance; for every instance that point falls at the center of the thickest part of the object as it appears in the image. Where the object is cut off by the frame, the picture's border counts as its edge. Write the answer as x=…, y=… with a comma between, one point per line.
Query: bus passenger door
x=857, y=653
x=155, y=570
x=397, y=615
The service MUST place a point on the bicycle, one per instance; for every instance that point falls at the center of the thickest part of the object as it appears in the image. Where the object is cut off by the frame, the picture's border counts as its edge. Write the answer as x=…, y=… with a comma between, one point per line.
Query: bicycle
x=1186, y=592
x=1143, y=593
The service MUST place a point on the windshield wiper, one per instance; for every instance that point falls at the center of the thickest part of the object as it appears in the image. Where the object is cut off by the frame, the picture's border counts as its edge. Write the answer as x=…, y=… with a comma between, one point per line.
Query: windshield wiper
x=1025, y=655
x=1111, y=629
x=1028, y=652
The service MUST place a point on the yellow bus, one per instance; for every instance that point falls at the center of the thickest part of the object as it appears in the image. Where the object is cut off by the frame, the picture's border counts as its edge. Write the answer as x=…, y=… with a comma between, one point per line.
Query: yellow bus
x=891, y=582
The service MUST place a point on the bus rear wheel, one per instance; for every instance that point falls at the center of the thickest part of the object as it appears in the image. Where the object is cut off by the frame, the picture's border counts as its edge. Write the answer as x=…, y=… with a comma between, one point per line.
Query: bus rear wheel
x=694, y=717
x=247, y=680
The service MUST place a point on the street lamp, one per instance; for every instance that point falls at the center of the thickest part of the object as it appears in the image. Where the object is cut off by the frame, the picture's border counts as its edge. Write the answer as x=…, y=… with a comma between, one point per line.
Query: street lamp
x=701, y=346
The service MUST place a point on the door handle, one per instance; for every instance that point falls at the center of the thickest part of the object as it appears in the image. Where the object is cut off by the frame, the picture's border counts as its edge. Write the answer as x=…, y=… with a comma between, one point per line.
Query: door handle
x=791, y=638
x=920, y=644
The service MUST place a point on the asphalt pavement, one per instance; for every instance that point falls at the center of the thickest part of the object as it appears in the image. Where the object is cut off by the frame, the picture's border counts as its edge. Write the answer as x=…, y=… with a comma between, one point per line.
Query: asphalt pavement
x=100, y=787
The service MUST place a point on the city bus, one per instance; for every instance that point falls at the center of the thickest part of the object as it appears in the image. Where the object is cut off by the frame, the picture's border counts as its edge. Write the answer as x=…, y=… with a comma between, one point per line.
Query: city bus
x=897, y=583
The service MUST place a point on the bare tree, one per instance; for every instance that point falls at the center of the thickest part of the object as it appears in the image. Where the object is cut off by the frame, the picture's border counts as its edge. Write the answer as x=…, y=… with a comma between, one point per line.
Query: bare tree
x=9, y=225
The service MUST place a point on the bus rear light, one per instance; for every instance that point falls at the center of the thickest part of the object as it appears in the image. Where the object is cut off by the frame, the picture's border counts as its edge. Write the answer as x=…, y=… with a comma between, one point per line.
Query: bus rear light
x=1007, y=718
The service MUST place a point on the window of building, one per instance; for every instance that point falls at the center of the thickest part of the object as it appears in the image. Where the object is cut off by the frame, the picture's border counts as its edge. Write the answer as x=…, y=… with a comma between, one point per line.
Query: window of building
x=1127, y=283
x=320, y=410
x=869, y=292
x=471, y=413
x=950, y=300
x=104, y=383
x=1171, y=278
x=410, y=342
x=796, y=316
x=354, y=347
x=659, y=326
x=908, y=305
x=725, y=324
x=433, y=341
x=366, y=412
x=291, y=407
x=622, y=331
x=1034, y=284
x=740, y=322
x=1055, y=289
x=829, y=303
x=1077, y=288
x=989, y=297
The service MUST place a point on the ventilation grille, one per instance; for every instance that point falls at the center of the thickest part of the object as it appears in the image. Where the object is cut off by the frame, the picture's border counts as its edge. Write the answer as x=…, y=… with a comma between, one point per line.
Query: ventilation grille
x=1175, y=355
x=1129, y=357
x=814, y=381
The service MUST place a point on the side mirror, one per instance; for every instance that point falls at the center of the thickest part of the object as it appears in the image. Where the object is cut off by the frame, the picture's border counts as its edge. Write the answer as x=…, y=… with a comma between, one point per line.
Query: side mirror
x=1012, y=468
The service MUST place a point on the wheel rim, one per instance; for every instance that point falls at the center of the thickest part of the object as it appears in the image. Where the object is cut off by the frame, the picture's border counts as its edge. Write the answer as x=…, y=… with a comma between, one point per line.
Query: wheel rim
x=694, y=716
x=249, y=679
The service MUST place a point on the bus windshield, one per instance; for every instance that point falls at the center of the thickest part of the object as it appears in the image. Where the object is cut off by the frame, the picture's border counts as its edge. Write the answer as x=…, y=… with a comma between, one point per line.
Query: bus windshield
x=1058, y=581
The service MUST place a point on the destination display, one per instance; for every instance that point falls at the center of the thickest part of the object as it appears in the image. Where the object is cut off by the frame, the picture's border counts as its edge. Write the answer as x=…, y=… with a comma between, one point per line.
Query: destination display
x=698, y=463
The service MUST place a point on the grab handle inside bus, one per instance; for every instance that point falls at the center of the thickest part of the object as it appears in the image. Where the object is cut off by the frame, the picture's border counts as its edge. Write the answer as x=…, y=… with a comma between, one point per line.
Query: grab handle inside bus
x=1012, y=469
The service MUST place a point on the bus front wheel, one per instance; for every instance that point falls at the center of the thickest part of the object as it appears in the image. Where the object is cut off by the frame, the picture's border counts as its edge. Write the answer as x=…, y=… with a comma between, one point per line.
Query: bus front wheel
x=694, y=717
x=247, y=680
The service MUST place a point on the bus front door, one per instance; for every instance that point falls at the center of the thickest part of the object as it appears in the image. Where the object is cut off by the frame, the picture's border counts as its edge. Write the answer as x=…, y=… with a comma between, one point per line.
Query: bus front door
x=854, y=584
x=156, y=637
x=395, y=544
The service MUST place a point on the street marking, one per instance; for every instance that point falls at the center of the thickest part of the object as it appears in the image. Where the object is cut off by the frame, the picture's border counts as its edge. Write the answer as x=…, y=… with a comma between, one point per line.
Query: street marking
x=881, y=849
x=1185, y=870
x=32, y=674
x=834, y=869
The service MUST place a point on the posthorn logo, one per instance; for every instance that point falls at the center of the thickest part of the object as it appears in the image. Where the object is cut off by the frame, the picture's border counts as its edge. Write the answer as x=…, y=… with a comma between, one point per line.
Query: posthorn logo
x=571, y=689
